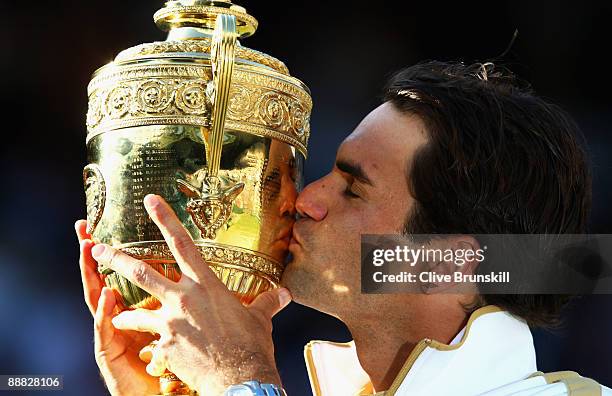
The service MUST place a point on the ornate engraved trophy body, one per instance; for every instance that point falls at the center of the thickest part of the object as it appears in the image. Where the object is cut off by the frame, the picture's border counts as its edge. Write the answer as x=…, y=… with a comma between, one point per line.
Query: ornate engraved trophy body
x=217, y=129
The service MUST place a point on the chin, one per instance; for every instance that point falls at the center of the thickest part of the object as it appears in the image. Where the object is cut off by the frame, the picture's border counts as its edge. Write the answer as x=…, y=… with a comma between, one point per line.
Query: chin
x=286, y=278
x=291, y=279
x=304, y=288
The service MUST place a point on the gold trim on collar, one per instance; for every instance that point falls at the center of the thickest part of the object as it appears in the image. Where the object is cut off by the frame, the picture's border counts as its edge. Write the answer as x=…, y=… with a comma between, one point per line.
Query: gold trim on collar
x=416, y=352
x=575, y=383
x=311, y=369
x=420, y=347
x=310, y=366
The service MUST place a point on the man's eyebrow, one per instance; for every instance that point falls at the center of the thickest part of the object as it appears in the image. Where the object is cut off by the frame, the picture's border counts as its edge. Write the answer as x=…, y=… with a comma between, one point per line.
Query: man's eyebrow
x=354, y=170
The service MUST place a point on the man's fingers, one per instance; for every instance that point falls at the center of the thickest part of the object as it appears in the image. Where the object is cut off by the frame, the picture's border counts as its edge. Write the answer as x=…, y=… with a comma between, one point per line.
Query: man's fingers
x=157, y=365
x=146, y=353
x=92, y=284
x=81, y=230
x=136, y=271
x=104, y=331
x=138, y=320
x=179, y=241
x=271, y=302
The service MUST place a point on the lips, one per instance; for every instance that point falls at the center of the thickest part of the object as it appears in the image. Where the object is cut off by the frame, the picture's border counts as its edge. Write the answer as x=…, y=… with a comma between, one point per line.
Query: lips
x=284, y=234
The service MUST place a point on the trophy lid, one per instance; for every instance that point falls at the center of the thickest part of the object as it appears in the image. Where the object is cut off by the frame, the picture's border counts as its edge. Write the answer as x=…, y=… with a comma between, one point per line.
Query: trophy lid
x=169, y=82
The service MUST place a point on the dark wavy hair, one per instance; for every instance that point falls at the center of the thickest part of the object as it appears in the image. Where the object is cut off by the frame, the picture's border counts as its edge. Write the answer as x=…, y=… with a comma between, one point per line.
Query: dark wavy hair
x=499, y=160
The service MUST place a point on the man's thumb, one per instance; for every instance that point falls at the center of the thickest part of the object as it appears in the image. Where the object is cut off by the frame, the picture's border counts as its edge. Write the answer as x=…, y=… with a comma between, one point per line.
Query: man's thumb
x=272, y=301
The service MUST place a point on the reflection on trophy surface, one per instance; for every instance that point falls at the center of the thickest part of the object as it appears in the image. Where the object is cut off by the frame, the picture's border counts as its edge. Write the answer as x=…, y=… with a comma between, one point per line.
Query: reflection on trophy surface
x=218, y=130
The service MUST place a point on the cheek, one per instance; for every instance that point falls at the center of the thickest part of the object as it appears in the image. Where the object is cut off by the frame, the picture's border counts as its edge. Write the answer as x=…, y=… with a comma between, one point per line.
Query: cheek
x=389, y=216
x=345, y=226
x=333, y=240
x=341, y=246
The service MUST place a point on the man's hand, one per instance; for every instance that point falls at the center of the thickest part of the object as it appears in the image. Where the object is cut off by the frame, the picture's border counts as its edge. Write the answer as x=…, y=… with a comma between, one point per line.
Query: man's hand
x=116, y=351
x=208, y=338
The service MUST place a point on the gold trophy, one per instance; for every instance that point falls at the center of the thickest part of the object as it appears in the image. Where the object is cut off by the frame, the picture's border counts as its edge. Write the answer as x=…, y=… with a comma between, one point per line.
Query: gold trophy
x=217, y=129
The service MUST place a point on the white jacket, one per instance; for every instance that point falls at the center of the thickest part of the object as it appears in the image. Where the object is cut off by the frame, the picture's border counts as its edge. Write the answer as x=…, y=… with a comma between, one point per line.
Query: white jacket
x=493, y=356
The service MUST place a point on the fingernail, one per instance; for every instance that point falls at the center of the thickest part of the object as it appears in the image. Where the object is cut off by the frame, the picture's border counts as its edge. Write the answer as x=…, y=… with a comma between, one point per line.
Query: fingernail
x=98, y=250
x=103, y=297
x=151, y=200
x=77, y=226
x=284, y=296
x=116, y=321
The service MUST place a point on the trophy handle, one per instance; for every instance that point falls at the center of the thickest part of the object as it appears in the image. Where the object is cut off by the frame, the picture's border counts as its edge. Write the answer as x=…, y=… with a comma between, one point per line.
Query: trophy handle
x=222, y=60
x=211, y=207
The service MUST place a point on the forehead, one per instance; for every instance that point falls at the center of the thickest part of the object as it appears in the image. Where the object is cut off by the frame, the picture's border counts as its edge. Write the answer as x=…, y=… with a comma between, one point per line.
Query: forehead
x=384, y=141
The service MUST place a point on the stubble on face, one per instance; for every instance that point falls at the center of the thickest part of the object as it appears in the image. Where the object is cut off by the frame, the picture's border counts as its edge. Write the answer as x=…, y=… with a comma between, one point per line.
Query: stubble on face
x=317, y=276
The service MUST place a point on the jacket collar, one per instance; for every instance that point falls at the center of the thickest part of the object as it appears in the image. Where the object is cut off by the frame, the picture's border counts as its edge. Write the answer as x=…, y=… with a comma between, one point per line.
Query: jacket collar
x=493, y=349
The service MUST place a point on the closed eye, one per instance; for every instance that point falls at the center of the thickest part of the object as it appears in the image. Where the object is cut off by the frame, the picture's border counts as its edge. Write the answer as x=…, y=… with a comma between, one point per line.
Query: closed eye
x=348, y=192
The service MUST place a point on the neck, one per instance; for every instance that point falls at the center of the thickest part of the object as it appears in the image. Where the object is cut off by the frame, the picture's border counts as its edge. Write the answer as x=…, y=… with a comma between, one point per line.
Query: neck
x=384, y=343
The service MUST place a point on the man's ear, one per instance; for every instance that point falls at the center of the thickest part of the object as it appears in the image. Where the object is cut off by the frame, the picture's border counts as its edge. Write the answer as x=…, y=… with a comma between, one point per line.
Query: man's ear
x=449, y=273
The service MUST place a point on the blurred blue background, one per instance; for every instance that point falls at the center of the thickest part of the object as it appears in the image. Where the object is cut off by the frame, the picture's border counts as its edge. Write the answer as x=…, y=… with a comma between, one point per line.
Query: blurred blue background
x=344, y=51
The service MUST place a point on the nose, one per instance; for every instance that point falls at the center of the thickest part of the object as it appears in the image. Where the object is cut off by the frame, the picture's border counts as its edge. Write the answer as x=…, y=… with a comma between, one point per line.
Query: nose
x=310, y=202
x=288, y=195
